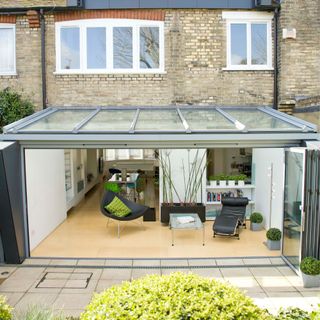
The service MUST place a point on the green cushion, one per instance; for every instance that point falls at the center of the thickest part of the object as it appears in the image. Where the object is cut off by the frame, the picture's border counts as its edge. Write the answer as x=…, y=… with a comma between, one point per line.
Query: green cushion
x=118, y=208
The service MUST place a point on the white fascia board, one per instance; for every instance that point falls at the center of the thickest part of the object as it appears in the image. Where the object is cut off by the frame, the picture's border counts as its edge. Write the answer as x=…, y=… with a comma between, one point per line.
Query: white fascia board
x=247, y=15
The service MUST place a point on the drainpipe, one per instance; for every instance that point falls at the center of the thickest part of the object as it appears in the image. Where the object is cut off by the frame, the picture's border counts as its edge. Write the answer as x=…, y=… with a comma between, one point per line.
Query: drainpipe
x=43, y=59
x=276, y=71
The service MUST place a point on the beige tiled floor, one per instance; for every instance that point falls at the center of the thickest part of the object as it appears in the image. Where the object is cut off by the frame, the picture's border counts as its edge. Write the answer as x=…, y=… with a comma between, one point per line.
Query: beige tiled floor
x=85, y=234
x=270, y=285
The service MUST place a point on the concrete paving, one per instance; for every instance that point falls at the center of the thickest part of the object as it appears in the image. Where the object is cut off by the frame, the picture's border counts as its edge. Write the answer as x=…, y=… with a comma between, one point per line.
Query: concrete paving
x=67, y=285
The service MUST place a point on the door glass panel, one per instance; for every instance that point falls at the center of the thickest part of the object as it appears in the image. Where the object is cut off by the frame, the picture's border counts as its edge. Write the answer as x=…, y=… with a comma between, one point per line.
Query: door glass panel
x=122, y=48
x=292, y=207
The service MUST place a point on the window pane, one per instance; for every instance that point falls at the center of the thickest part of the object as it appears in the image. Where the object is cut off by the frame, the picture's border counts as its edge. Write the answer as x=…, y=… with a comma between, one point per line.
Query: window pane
x=149, y=47
x=96, y=48
x=238, y=43
x=70, y=48
x=122, y=48
x=259, y=43
x=6, y=50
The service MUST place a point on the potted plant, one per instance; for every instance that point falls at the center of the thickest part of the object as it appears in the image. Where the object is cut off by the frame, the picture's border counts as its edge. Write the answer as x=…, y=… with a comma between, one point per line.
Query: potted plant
x=256, y=219
x=240, y=179
x=213, y=180
x=273, y=239
x=192, y=175
x=223, y=180
x=310, y=272
x=231, y=181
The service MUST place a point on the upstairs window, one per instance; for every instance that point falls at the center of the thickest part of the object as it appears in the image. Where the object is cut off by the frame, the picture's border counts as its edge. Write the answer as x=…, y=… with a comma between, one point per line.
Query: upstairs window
x=110, y=46
x=7, y=49
x=249, y=44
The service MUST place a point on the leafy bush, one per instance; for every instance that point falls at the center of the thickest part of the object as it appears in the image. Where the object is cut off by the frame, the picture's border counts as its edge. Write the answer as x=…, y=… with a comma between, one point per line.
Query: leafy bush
x=223, y=176
x=39, y=313
x=274, y=234
x=175, y=296
x=5, y=309
x=315, y=315
x=310, y=266
x=292, y=314
x=13, y=107
x=256, y=217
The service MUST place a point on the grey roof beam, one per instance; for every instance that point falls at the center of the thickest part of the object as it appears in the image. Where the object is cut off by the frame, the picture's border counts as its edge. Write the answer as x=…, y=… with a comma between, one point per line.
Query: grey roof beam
x=18, y=125
x=78, y=126
x=303, y=125
x=167, y=4
x=239, y=125
x=184, y=121
x=134, y=121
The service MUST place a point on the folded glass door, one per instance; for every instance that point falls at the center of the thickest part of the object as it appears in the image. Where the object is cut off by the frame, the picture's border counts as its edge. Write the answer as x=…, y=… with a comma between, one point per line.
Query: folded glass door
x=293, y=205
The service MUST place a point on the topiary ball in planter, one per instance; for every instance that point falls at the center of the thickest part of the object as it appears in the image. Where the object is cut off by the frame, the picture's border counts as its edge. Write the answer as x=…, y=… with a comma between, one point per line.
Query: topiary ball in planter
x=273, y=239
x=175, y=296
x=256, y=219
x=310, y=272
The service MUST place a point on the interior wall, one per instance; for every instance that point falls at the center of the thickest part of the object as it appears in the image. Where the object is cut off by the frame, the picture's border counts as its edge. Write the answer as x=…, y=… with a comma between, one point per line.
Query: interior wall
x=46, y=195
x=268, y=177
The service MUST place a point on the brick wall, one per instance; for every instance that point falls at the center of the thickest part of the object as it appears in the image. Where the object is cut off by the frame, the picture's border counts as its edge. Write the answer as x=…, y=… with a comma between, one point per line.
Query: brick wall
x=299, y=77
x=31, y=3
x=195, y=55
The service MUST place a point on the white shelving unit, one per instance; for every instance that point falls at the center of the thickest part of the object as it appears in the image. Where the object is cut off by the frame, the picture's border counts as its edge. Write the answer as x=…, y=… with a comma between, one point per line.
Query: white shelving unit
x=213, y=207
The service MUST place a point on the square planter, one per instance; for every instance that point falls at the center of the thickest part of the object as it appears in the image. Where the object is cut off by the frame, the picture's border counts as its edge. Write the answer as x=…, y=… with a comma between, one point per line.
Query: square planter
x=199, y=208
x=213, y=183
x=273, y=245
x=150, y=215
x=231, y=183
x=255, y=226
x=222, y=183
x=310, y=281
x=241, y=183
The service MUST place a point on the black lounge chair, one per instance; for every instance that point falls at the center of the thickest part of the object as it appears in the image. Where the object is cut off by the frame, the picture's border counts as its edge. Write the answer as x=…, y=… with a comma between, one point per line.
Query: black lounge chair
x=232, y=216
x=137, y=210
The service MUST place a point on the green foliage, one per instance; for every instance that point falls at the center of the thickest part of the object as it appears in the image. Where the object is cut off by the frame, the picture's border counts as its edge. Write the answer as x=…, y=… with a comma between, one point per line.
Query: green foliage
x=310, y=266
x=274, y=234
x=39, y=313
x=292, y=314
x=256, y=217
x=315, y=315
x=13, y=107
x=112, y=186
x=173, y=297
x=223, y=176
x=5, y=309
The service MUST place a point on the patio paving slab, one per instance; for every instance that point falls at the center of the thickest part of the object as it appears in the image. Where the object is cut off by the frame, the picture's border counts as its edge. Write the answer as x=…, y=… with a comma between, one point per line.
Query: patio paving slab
x=38, y=261
x=147, y=263
x=116, y=274
x=207, y=272
x=138, y=273
x=40, y=299
x=12, y=297
x=265, y=271
x=91, y=262
x=79, y=272
x=245, y=283
x=63, y=262
x=119, y=262
x=202, y=262
x=229, y=262
x=76, y=301
x=174, y=263
x=79, y=286
x=236, y=272
x=257, y=261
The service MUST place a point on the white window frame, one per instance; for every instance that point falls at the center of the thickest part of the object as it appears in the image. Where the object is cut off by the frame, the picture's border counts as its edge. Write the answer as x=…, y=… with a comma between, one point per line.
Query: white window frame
x=109, y=24
x=13, y=27
x=249, y=18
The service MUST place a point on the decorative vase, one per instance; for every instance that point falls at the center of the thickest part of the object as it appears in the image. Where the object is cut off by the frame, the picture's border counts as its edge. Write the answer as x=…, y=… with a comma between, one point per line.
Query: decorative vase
x=273, y=245
x=222, y=183
x=255, y=226
x=310, y=281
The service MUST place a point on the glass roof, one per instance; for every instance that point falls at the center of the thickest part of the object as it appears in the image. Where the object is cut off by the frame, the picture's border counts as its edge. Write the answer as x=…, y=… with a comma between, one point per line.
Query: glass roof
x=184, y=119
